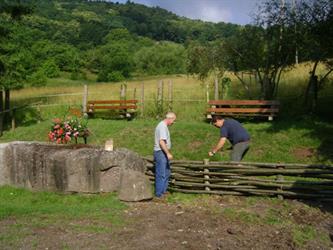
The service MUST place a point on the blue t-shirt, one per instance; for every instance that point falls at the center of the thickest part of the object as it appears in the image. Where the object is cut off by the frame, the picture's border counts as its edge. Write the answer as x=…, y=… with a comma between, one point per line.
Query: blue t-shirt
x=234, y=131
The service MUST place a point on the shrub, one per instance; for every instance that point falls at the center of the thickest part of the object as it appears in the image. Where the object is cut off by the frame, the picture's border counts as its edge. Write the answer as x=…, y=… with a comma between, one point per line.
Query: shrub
x=50, y=69
x=37, y=78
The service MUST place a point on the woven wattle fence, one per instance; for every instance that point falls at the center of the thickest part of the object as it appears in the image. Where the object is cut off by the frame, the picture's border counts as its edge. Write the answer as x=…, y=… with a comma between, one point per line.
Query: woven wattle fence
x=250, y=178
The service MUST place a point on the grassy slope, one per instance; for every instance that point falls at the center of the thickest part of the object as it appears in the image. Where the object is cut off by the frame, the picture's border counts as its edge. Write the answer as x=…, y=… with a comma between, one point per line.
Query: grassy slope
x=305, y=141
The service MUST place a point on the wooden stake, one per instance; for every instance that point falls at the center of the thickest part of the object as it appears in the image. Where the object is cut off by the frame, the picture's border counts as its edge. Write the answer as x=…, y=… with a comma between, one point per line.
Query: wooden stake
x=206, y=176
x=207, y=92
x=216, y=89
x=12, y=114
x=142, y=98
x=85, y=100
x=170, y=86
x=160, y=98
x=123, y=91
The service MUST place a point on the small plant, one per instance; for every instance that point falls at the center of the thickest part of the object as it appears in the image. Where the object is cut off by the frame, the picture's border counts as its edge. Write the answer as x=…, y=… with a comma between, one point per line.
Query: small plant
x=63, y=131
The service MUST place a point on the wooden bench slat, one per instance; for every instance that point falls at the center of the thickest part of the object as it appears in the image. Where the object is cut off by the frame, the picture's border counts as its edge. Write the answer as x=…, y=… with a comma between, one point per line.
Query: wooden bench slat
x=244, y=102
x=116, y=107
x=243, y=110
x=112, y=102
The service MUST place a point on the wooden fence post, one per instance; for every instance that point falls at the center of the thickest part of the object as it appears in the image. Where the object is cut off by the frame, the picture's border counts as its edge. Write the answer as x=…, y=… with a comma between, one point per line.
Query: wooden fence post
x=12, y=115
x=170, y=86
x=142, y=99
x=1, y=112
x=123, y=91
x=134, y=94
x=206, y=176
x=216, y=89
x=207, y=92
x=279, y=177
x=85, y=100
x=160, y=98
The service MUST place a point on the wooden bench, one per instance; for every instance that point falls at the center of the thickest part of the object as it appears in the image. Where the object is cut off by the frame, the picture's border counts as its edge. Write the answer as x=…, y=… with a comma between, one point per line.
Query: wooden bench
x=243, y=108
x=125, y=108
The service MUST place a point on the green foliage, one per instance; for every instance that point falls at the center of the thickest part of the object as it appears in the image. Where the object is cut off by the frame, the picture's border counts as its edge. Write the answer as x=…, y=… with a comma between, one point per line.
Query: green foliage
x=115, y=62
x=38, y=78
x=162, y=58
x=115, y=76
x=17, y=66
x=206, y=59
x=50, y=69
x=225, y=87
x=65, y=56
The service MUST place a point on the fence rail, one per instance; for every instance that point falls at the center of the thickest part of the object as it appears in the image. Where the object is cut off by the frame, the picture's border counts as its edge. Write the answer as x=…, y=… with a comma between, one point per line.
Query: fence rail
x=268, y=179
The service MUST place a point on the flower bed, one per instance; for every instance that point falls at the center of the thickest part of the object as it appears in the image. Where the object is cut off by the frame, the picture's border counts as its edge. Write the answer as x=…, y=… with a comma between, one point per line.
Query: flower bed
x=64, y=131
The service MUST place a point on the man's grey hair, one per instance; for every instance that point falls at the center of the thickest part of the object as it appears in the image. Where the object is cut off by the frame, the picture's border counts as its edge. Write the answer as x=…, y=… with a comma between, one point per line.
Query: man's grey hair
x=170, y=115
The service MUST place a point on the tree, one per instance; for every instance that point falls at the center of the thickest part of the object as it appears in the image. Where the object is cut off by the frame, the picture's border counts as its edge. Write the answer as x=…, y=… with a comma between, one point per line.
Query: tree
x=11, y=71
x=115, y=63
x=315, y=22
x=206, y=59
x=265, y=48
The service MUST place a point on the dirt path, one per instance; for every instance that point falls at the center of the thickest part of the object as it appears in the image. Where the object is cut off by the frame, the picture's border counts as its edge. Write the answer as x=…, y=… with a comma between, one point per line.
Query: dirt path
x=210, y=223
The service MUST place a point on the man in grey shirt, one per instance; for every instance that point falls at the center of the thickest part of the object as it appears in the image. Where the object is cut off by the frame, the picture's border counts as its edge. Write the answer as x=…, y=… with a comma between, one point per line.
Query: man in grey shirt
x=162, y=154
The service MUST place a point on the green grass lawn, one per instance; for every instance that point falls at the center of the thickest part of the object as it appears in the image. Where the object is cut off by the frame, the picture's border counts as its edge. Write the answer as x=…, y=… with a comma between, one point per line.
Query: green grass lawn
x=301, y=141
x=22, y=211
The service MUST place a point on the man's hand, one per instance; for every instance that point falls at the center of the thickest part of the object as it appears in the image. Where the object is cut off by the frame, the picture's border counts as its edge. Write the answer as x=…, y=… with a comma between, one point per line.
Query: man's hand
x=211, y=153
x=170, y=157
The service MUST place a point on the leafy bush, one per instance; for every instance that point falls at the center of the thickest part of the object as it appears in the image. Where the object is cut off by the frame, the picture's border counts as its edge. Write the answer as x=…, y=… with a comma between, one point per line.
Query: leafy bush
x=51, y=69
x=162, y=58
x=37, y=78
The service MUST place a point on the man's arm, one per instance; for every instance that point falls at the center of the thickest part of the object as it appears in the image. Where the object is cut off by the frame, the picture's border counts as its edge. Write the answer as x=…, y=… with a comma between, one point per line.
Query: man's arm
x=218, y=146
x=165, y=149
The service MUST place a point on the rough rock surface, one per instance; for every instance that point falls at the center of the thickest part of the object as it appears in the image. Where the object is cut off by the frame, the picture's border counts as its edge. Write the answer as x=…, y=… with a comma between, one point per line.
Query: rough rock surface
x=134, y=186
x=66, y=168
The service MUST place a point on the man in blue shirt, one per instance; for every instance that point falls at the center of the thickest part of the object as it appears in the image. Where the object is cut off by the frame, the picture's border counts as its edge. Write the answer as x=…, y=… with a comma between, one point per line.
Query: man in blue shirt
x=237, y=135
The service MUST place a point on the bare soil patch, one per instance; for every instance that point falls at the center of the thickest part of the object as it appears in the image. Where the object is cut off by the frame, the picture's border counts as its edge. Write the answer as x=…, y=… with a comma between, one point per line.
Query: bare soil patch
x=205, y=223
x=301, y=153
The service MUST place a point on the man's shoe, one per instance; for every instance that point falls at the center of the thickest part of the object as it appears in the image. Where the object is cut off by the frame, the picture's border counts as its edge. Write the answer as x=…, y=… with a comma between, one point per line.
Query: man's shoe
x=159, y=199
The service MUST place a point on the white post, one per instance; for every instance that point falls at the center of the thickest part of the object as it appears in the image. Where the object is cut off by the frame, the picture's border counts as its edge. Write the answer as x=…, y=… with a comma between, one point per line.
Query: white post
x=85, y=100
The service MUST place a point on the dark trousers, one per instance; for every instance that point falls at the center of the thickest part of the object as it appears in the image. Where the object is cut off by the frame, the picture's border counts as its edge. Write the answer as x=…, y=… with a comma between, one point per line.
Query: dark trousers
x=239, y=150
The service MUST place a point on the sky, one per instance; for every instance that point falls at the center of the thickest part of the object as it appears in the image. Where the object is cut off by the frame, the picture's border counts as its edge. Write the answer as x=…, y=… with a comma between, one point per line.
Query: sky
x=229, y=11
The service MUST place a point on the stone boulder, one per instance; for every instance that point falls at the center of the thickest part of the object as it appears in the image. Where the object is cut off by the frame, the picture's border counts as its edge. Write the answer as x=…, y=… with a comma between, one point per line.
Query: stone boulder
x=66, y=168
x=134, y=186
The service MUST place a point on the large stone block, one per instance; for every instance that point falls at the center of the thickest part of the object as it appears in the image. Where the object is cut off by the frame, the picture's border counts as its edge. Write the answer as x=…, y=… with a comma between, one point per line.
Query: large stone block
x=134, y=186
x=64, y=168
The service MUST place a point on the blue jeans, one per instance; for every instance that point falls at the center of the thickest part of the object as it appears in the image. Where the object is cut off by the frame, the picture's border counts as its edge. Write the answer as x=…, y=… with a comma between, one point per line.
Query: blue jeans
x=162, y=172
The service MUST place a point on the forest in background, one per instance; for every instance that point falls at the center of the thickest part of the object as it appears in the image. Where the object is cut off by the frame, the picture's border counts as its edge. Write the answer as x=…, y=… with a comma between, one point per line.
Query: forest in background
x=113, y=40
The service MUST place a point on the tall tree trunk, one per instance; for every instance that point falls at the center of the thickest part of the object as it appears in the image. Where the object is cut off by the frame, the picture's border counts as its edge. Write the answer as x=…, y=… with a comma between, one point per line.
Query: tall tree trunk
x=311, y=92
